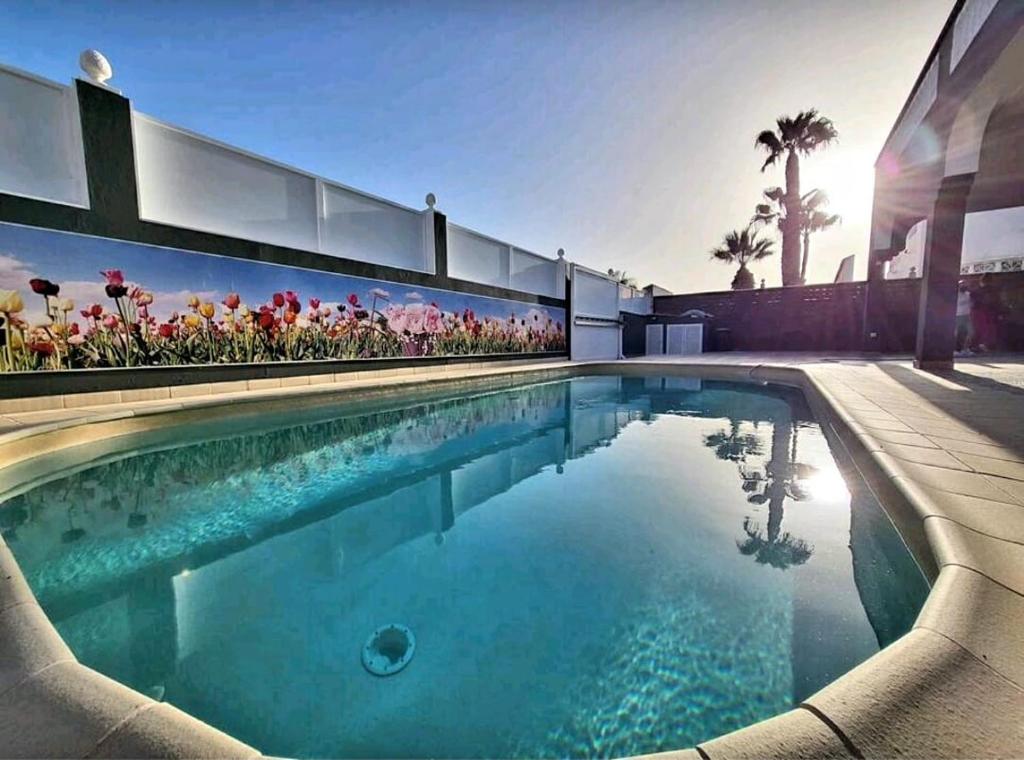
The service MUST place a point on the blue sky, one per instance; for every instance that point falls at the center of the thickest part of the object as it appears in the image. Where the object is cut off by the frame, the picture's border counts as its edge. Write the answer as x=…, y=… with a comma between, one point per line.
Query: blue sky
x=75, y=261
x=622, y=132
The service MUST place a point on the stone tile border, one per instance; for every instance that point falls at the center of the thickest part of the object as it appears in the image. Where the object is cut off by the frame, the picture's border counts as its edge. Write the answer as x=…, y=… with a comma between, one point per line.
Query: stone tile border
x=948, y=467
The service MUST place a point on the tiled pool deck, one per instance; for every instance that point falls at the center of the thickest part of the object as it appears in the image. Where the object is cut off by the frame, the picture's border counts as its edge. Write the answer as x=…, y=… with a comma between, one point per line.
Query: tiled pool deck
x=945, y=454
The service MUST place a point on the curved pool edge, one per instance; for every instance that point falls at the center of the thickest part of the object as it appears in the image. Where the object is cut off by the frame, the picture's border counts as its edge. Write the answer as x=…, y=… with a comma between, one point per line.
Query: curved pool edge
x=952, y=687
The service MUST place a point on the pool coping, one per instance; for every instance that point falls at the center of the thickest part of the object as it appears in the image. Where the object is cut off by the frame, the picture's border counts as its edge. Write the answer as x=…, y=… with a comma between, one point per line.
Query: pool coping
x=952, y=687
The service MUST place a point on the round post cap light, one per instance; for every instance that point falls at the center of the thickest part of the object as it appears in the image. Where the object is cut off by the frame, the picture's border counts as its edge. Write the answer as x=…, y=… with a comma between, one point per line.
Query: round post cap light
x=95, y=65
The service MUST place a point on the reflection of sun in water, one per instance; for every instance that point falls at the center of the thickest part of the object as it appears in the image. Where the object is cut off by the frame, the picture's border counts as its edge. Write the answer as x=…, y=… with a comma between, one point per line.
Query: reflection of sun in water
x=826, y=485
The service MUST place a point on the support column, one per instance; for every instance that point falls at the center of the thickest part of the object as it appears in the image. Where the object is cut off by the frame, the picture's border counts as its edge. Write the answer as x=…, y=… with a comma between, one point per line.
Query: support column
x=936, y=319
x=873, y=340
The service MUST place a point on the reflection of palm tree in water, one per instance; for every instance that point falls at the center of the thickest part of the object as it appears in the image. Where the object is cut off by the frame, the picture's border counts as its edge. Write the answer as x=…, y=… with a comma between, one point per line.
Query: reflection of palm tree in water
x=781, y=480
x=731, y=445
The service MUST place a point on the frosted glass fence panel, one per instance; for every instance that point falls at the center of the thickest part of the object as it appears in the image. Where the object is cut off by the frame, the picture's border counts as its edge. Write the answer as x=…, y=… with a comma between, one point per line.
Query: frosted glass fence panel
x=191, y=182
x=356, y=226
x=41, y=153
x=594, y=295
x=477, y=258
x=535, y=274
x=635, y=301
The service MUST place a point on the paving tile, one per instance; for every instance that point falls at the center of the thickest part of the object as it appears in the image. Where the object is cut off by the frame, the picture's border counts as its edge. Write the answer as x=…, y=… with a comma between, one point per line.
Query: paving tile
x=62, y=711
x=869, y=417
x=926, y=697
x=893, y=425
x=163, y=731
x=680, y=754
x=145, y=394
x=942, y=479
x=99, y=398
x=28, y=643
x=53, y=415
x=954, y=544
x=924, y=455
x=949, y=430
x=796, y=735
x=33, y=404
x=13, y=588
x=994, y=518
x=979, y=615
x=907, y=439
x=229, y=386
x=1011, y=486
x=192, y=389
x=979, y=449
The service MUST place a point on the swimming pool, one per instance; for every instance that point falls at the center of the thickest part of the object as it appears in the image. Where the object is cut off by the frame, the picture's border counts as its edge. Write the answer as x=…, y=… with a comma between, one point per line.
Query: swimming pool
x=590, y=566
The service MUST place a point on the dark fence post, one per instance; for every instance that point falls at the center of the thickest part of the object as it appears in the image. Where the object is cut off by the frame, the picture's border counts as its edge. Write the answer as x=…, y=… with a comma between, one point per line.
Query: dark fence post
x=109, y=160
x=440, y=245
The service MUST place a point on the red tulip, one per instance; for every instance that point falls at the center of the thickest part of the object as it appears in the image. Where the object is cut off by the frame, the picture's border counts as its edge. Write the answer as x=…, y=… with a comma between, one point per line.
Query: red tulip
x=314, y=303
x=278, y=300
x=42, y=347
x=232, y=301
x=166, y=330
x=289, y=316
x=266, y=320
x=353, y=299
x=43, y=287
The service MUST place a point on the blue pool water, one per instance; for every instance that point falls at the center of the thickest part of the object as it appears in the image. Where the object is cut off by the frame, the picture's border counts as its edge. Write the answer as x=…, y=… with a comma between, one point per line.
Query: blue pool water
x=597, y=566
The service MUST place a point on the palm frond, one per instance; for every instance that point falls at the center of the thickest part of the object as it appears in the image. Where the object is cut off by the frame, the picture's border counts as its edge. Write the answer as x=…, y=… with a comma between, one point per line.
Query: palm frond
x=770, y=142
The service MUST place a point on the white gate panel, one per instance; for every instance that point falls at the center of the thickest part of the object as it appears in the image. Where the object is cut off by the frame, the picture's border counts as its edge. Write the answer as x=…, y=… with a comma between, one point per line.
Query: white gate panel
x=592, y=342
x=655, y=340
x=685, y=340
x=596, y=330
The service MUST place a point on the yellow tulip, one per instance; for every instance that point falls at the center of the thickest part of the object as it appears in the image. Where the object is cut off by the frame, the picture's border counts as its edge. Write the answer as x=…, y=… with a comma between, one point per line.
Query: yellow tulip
x=207, y=310
x=10, y=302
x=193, y=302
x=66, y=304
x=192, y=320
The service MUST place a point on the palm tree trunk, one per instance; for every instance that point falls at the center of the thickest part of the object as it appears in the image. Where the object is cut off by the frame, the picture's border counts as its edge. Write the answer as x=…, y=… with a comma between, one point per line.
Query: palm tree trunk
x=791, y=226
x=807, y=253
x=779, y=467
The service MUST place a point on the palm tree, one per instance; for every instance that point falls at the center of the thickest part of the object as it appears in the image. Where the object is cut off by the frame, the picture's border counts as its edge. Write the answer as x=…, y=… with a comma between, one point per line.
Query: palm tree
x=741, y=247
x=620, y=276
x=793, y=137
x=812, y=217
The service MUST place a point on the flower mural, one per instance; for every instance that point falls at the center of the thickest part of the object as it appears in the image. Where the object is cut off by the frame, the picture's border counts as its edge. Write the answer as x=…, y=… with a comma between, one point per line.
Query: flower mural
x=128, y=323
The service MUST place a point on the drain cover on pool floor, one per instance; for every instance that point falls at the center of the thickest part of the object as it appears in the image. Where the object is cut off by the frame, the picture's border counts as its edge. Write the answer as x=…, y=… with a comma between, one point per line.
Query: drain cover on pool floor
x=388, y=649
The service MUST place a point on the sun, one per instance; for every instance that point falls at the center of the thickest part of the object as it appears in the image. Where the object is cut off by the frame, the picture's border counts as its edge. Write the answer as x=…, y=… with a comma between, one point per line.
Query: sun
x=847, y=175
